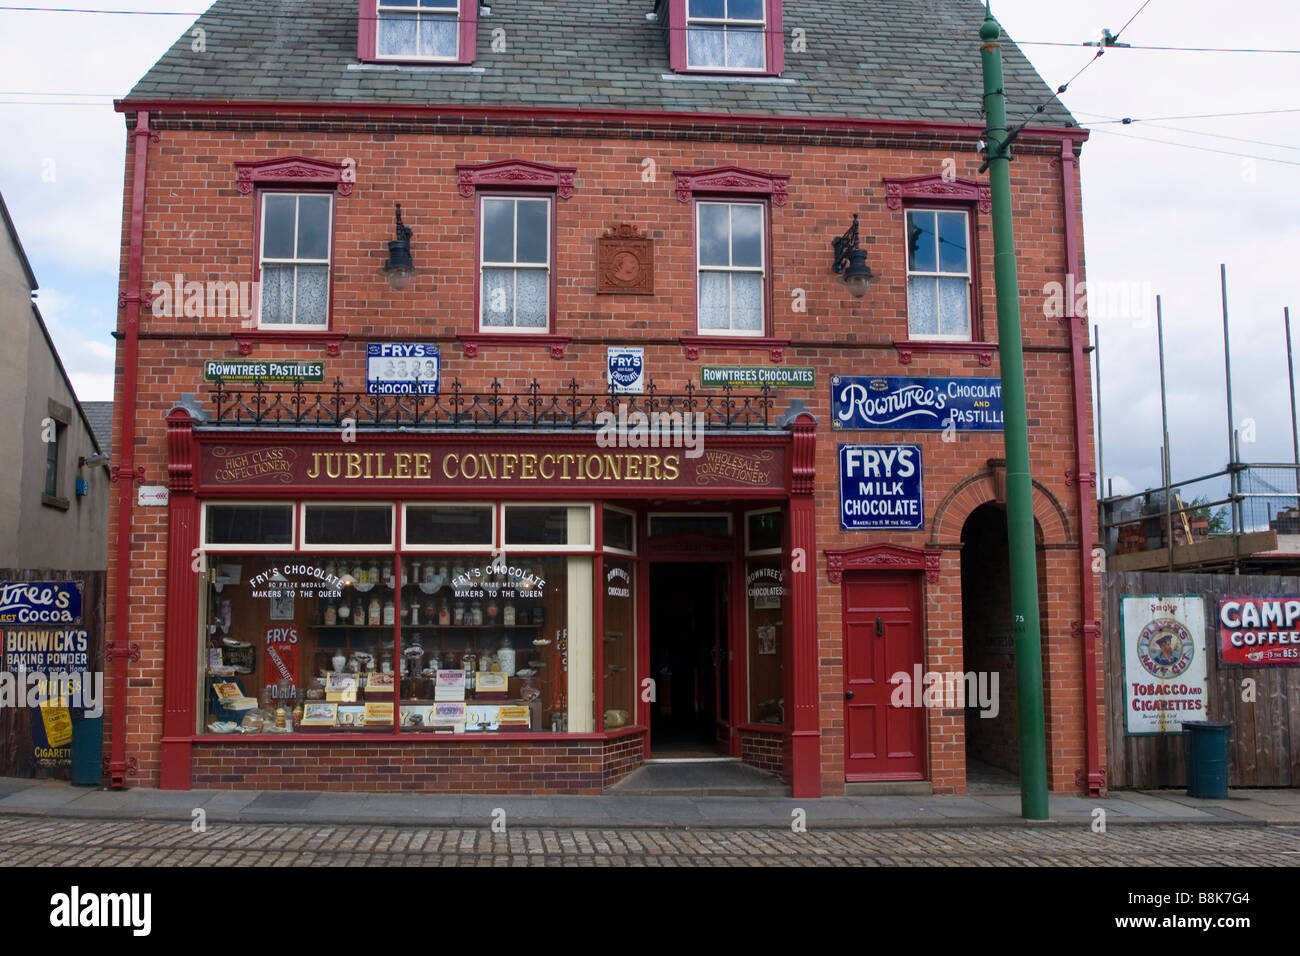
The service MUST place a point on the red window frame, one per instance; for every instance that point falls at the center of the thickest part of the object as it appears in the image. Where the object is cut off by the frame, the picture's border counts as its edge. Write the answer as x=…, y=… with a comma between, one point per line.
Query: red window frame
x=259, y=199
x=775, y=45
x=972, y=291
x=765, y=202
x=490, y=192
x=368, y=36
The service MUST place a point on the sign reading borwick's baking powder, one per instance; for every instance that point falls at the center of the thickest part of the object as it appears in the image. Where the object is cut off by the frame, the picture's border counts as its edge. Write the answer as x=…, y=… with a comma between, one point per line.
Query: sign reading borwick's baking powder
x=1164, y=662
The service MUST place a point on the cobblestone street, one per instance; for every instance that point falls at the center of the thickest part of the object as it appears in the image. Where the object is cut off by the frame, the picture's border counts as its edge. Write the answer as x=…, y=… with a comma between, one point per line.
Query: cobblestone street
x=36, y=842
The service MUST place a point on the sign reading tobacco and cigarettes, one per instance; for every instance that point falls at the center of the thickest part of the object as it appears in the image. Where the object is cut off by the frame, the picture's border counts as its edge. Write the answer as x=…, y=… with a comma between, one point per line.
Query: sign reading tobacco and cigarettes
x=1164, y=662
x=1259, y=631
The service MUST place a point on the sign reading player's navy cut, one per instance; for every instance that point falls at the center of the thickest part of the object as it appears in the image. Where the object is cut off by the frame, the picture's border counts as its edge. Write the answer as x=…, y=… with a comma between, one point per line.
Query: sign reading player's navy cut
x=627, y=370
x=892, y=403
x=880, y=487
x=402, y=368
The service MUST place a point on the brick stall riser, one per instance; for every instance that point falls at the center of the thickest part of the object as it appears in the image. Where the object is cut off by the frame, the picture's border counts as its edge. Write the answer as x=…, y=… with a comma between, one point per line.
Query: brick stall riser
x=197, y=224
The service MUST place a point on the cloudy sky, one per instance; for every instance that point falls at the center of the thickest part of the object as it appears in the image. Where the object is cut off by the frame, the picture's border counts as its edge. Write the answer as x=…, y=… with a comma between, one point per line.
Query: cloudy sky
x=1159, y=217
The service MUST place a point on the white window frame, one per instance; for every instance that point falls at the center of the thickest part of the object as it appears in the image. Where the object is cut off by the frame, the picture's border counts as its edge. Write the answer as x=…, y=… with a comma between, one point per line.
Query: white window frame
x=650, y=520
x=487, y=548
x=205, y=548
x=750, y=553
x=611, y=550
x=454, y=13
x=723, y=23
x=729, y=270
x=588, y=545
x=263, y=261
x=968, y=275
x=515, y=328
x=348, y=548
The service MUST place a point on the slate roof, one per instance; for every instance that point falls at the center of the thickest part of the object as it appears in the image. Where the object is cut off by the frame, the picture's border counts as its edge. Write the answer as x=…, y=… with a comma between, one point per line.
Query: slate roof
x=865, y=59
x=99, y=415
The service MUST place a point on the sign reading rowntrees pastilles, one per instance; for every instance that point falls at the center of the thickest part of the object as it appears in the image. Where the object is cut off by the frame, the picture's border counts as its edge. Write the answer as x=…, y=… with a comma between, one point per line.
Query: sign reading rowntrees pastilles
x=1164, y=662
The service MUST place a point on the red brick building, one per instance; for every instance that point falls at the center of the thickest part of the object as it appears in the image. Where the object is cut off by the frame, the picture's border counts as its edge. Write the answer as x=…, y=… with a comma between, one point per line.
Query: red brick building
x=402, y=548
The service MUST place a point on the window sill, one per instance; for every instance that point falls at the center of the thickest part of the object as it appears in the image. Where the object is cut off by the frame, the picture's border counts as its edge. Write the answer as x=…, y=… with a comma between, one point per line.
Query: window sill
x=698, y=76
x=906, y=348
x=694, y=344
x=54, y=501
x=249, y=338
x=413, y=66
x=473, y=342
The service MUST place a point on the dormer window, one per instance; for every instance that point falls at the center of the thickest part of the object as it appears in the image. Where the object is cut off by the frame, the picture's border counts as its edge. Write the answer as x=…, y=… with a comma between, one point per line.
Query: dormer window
x=418, y=31
x=725, y=36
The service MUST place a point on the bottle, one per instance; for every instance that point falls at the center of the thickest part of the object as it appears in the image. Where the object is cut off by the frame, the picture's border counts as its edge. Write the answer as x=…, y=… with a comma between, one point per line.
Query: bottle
x=491, y=613
x=388, y=574
x=357, y=573
x=344, y=612
x=476, y=614
x=470, y=663
x=358, y=612
x=415, y=572
x=508, y=615
x=458, y=615
x=389, y=610
x=506, y=656
x=444, y=614
x=373, y=617
x=372, y=575
x=415, y=612
x=404, y=581
x=331, y=615
x=429, y=574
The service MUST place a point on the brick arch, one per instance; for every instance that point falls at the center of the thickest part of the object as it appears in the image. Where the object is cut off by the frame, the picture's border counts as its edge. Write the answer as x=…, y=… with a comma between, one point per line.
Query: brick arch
x=977, y=489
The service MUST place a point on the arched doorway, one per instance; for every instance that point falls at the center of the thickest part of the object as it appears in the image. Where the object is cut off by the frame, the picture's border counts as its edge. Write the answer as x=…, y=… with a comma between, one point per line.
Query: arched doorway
x=988, y=649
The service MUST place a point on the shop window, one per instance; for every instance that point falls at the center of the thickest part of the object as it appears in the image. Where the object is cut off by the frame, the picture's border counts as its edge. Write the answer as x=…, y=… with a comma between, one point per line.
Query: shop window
x=418, y=31
x=243, y=525
x=619, y=642
x=619, y=530
x=548, y=526
x=515, y=264
x=730, y=246
x=449, y=526
x=938, y=274
x=294, y=254
x=763, y=532
x=764, y=596
x=665, y=524
x=342, y=527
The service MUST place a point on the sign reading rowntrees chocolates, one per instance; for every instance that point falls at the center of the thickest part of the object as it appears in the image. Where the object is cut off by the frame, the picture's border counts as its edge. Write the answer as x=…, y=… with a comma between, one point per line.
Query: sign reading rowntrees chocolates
x=492, y=464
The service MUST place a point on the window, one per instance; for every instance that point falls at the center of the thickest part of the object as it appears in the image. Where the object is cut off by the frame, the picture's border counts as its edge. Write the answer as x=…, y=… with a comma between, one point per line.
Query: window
x=515, y=264
x=938, y=274
x=619, y=530
x=725, y=36
x=295, y=259
x=54, y=431
x=426, y=31
x=55, y=439
x=449, y=527
x=247, y=524
x=731, y=264
x=331, y=527
x=560, y=527
x=664, y=524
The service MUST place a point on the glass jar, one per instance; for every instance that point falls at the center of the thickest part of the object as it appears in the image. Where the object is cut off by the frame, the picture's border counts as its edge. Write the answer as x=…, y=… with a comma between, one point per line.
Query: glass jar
x=344, y=613
x=389, y=611
x=476, y=614
x=490, y=612
x=331, y=615
x=458, y=614
x=508, y=614
x=415, y=612
x=444, y=614
x=388, y=573
x=372, y=573
x=506, y=657
x=372, y=618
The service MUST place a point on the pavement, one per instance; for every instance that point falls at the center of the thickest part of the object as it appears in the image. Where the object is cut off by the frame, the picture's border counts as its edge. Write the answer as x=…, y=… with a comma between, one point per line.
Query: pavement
x=637, y=810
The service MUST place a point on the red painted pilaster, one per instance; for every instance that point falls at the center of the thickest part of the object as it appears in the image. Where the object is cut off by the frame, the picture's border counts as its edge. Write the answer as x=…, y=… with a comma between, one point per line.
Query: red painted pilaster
x=180, y=690
x=801, y=672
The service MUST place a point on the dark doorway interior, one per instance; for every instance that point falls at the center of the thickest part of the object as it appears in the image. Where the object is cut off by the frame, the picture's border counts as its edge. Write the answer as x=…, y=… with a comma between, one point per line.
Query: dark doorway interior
x=688, y=642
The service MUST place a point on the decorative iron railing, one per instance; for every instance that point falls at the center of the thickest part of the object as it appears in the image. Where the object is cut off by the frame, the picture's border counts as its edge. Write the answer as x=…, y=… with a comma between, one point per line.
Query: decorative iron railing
x=255, y=405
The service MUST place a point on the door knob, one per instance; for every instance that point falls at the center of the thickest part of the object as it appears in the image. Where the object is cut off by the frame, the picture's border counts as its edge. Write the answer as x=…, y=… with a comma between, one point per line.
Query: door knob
x=848, y=695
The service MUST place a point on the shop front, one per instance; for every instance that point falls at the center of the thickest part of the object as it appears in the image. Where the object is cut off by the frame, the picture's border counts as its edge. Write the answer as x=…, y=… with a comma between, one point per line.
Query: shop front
x=423, y=609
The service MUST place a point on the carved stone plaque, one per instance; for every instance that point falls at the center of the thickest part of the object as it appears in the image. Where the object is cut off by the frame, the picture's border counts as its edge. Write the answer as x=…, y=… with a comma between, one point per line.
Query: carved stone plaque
x=625, y=262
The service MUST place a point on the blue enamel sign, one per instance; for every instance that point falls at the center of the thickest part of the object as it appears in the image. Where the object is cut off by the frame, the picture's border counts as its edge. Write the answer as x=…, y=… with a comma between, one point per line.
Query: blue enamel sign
x=880, y=487
x=402, y=368
x=889, y=403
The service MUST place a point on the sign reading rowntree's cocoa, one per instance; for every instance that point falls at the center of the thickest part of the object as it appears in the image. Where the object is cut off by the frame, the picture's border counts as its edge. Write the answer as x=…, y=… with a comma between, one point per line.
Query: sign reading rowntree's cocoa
x=491, y=465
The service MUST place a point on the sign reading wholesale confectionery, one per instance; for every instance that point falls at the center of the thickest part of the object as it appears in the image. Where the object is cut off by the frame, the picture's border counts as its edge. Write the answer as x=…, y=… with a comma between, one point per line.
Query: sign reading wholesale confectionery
x=756, y=376
x=1259, y=631
x=862, y=402
x=264, y=371
x=880, y=487
x=1164, y=662
x=492, y=464
x=402, y=368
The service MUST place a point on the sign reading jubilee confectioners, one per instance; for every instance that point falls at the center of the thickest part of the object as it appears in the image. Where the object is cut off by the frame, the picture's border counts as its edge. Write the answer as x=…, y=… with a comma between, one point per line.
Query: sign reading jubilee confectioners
x=1164, y=662
x=1259, y=631
x=491, y=464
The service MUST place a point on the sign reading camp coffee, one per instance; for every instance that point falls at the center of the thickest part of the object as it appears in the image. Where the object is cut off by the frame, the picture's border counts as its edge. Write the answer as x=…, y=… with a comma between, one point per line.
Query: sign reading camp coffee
x=1259, y=631
x=1164, y=662
x=493, y=465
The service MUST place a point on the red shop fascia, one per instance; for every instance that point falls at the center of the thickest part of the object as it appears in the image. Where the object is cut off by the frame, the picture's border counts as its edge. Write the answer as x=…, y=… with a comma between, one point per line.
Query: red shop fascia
x=766, y=467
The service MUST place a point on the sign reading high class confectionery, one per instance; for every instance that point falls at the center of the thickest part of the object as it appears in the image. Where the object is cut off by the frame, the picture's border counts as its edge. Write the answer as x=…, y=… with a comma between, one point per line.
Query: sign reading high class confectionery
x=1259, y=631
x=402, y=368
x=880, y=487
x=916, y=404
x=1164, y=662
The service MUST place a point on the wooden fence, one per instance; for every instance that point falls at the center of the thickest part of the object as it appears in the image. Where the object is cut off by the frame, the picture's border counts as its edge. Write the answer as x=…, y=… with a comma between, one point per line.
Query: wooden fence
x=1264, y=742
x=17, y=756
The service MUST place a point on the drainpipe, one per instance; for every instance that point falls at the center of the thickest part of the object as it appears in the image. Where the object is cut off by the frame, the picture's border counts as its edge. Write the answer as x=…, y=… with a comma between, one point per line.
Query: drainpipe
x=1086, y=629
x=126, y=473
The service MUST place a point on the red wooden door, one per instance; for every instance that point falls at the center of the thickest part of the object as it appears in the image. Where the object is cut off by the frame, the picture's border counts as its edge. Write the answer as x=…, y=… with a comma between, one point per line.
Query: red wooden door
x=882, y=636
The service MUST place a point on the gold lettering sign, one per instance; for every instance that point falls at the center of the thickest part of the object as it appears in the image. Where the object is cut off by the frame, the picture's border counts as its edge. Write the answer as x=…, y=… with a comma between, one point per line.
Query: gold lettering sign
x=726, y=467
x=494, y=466
x=267, y=463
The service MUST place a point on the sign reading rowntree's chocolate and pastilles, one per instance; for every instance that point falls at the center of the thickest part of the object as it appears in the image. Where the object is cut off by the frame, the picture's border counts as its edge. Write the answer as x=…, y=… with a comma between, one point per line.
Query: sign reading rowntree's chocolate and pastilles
x=889, y=403
x=1164, y=662
x=1259, y=630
